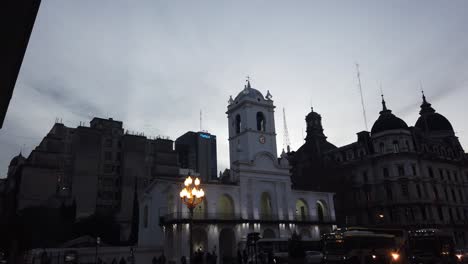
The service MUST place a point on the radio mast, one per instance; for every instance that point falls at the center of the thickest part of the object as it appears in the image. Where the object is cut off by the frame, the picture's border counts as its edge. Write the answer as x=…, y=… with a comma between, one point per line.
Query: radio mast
x=286, y=141
x=362, y=98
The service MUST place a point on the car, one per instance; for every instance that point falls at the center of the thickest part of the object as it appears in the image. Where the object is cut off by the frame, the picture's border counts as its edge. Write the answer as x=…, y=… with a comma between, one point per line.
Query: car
x=312, y=257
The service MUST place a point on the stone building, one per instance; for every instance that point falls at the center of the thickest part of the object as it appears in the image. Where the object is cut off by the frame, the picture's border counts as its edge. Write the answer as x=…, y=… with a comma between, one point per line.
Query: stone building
x=395, y=175
x=97, y=166
x=256, y=197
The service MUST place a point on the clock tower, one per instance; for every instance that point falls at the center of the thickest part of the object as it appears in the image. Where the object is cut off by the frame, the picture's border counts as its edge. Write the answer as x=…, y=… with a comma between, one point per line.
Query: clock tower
x=251, y=125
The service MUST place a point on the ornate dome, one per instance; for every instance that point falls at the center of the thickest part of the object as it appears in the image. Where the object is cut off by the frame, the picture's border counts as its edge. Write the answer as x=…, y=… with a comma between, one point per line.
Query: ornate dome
x=387, y=121
x=430, y=121
x=250, y=92
x=17, y=160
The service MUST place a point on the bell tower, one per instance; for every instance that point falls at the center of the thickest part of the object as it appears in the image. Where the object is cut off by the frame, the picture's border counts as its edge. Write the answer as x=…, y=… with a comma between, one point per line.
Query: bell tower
x=251, y=123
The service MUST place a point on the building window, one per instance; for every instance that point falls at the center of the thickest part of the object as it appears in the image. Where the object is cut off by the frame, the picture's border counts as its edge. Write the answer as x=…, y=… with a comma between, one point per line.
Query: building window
x=441, y=214
x=455, y=175
x=446, y=194
x=396, y=147
x=145, y=217
x=108, y=143
x=388, y=190
x=238, y=124
x=364, y=176
x=423, y=213
x=404, y=189
x=450, y=213
x=418, y=190
x=458, y=213
x=449, y=176
x=460, y=195
x=436, y=193
x=107, y=168
x=401, y=170
x=441, y=174
x=108, y=155
x=385, y=172
x=407, y=145
x=382, y=147
x=260, y=121
x=431, y=172
x=454, y=196
x=413, y=168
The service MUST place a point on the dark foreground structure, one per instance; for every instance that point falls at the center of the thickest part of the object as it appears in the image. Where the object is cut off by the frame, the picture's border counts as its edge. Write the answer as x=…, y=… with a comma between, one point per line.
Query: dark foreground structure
x=18, y=21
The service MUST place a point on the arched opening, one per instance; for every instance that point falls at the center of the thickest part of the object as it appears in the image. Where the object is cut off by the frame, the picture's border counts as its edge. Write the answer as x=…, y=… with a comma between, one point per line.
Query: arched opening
x=305, y=234
x=265, y=206
x=260, y=121
x=200, y=212
x=145, y=216
x=396, y=147
x=302, y=210
x=225, y=207
x=227, y=245
x=200, y=240
x=321, y=210
x=238, y=124
x=382, y=147
x=170, y=204
x=268, y=233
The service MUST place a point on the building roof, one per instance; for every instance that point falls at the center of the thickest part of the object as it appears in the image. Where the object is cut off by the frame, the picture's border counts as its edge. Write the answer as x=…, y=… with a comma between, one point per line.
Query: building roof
x=249, y=92
x=387, y=121
x=430, y=121
x=17, y=159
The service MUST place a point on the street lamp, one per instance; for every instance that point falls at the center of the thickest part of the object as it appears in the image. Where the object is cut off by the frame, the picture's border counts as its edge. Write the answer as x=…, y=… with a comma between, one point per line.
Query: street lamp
x=191, y=196
x=98, y=241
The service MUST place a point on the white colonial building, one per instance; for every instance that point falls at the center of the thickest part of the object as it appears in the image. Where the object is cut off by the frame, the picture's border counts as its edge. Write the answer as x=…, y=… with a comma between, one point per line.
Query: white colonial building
x=256, y=195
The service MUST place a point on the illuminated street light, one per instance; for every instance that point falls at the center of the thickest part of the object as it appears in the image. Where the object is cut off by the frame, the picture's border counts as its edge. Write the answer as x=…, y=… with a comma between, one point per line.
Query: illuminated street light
x=191, y=195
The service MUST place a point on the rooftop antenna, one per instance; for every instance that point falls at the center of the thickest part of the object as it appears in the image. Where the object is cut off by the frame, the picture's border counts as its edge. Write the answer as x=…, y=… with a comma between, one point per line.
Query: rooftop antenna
x=286, y=141
x=200, y=120
x=362, y=98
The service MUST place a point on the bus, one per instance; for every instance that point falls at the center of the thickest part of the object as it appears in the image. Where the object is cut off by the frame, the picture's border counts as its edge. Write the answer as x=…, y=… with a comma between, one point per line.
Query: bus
x=356, y=246
x=431, y=246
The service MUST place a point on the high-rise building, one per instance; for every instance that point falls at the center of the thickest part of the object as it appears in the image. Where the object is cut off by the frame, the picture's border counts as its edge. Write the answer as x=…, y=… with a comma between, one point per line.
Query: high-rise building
x=98, y=166
x=197, y=151
x=396, y=175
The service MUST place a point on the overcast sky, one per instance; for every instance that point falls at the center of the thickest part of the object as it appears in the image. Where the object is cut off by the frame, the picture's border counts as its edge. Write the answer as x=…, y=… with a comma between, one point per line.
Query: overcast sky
x=155, y=64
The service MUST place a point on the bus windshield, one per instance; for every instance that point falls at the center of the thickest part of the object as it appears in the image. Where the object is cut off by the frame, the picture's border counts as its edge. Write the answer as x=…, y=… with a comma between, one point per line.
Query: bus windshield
x=352, y=243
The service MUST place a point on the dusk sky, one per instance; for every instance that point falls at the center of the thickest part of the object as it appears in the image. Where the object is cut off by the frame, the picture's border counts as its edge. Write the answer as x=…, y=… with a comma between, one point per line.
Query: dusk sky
x=155, y=64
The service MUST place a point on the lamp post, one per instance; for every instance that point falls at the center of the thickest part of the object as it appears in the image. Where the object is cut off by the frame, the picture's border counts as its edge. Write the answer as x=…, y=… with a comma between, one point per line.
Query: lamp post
x=98, y=241
x=191, y=195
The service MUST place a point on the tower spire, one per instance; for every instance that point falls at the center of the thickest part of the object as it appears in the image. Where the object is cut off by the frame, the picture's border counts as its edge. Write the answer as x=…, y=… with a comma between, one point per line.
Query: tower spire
x=248, y=81
x=422, y=92
x=384, y=105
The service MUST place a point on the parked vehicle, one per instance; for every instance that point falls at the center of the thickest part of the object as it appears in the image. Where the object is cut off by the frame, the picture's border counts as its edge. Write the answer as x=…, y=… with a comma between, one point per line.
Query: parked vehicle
x=346, y=246
x=431, y=246
x=313, y=257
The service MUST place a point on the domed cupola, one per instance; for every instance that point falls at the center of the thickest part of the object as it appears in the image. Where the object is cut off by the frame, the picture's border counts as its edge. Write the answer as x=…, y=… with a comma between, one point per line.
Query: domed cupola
x=17, y=160
x=430, y=121
x=387, y=121
x=250, y=93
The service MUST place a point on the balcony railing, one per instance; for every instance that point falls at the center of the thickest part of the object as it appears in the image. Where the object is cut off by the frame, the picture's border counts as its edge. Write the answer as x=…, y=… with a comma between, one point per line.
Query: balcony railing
x=184, y=217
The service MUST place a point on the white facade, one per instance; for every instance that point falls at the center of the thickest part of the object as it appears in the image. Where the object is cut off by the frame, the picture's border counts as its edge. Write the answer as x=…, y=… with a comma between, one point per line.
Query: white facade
x=257, y=197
